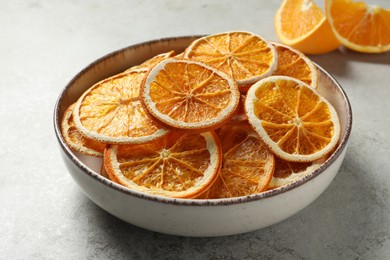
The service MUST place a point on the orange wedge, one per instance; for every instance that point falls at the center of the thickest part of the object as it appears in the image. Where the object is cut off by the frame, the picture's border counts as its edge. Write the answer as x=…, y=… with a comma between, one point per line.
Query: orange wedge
x=177, y=165
x=360, y=27
x=150, y=63
x=244, y=56
x=75, y=140
x=296, y=122
x=111, y=112
x=247, y=164
x=186, y=94
x=302, y=25
x=295, y=64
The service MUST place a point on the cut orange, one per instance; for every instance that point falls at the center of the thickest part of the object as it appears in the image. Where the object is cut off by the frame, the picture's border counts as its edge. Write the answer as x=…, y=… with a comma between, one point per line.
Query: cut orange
x=296, y=122
x=75, y=140
x=177, y=165
x=302, y=25
x=247, y=164
x=295, y=64
x=288, y=172
x=111, y=112
x=150, y=63
x=244, y=56
x=359, y=26
x=186, y=94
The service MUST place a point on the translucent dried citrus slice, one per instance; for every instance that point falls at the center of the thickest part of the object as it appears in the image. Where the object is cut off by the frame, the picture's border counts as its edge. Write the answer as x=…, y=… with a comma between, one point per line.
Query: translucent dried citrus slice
x=111, y=112
x=244, y=56
x=189, y=95
x=240, y=114
x=177, y=165
x=295, y=64
x=75, y=140
x=296, y=122
x=288, y=172
x=360, y=27
x=247, y=163
x=150, y=63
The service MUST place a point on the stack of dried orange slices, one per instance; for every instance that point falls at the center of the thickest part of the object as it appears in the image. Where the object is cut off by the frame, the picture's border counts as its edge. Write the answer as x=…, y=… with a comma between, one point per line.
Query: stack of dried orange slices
x=233, y=115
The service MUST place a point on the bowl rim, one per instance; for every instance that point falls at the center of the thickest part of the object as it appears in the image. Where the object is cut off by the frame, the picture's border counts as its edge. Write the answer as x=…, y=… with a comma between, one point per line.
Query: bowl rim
x=192, y=202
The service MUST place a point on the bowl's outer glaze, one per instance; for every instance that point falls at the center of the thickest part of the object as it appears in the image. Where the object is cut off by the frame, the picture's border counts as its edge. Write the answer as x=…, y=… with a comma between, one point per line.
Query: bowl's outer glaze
x=193, y=217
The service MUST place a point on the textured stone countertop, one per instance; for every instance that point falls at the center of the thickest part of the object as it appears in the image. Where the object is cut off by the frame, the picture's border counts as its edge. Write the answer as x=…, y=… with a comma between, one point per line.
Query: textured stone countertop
x=44, y=214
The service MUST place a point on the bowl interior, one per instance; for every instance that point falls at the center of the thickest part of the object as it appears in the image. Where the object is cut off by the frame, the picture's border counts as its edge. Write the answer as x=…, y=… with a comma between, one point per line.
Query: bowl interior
x=123, y=59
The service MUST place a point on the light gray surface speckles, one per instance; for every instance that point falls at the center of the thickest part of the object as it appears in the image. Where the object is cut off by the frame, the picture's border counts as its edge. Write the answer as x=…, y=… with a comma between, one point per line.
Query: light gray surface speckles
x=43, y=213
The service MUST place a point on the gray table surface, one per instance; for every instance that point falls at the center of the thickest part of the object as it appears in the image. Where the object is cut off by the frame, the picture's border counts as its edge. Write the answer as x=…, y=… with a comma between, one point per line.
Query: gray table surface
x=43, y=213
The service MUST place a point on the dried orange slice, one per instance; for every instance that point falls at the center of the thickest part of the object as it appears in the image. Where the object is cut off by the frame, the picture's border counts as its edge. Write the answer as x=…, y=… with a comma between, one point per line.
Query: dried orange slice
x=360, y=27
x=295, y=64
x=75, y=140
x=111, y=112
x=177, y=165
x=247, y=163
x=302, y=25
x=244, y=56
x=288, y=172
x=103, y=171
x=296, y=122
x=180, y=55
x=186, y=94
x=240, y=114
x=150, y=63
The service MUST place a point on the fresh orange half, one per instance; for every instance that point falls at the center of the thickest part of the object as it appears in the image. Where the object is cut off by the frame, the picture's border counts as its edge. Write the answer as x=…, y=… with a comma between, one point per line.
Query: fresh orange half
x=295, y=121
x=247, y=164
x=360, y=27
x=244, y=56
x=150, y=63
x=302, y=25
x=288, y=172
x=294, y=63
x=186, y=94
x=111, y=112
x=177, y=165
x=75, y=140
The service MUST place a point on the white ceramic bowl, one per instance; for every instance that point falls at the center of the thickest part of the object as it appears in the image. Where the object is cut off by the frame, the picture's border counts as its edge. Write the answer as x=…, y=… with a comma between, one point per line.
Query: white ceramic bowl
x=189, y=217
